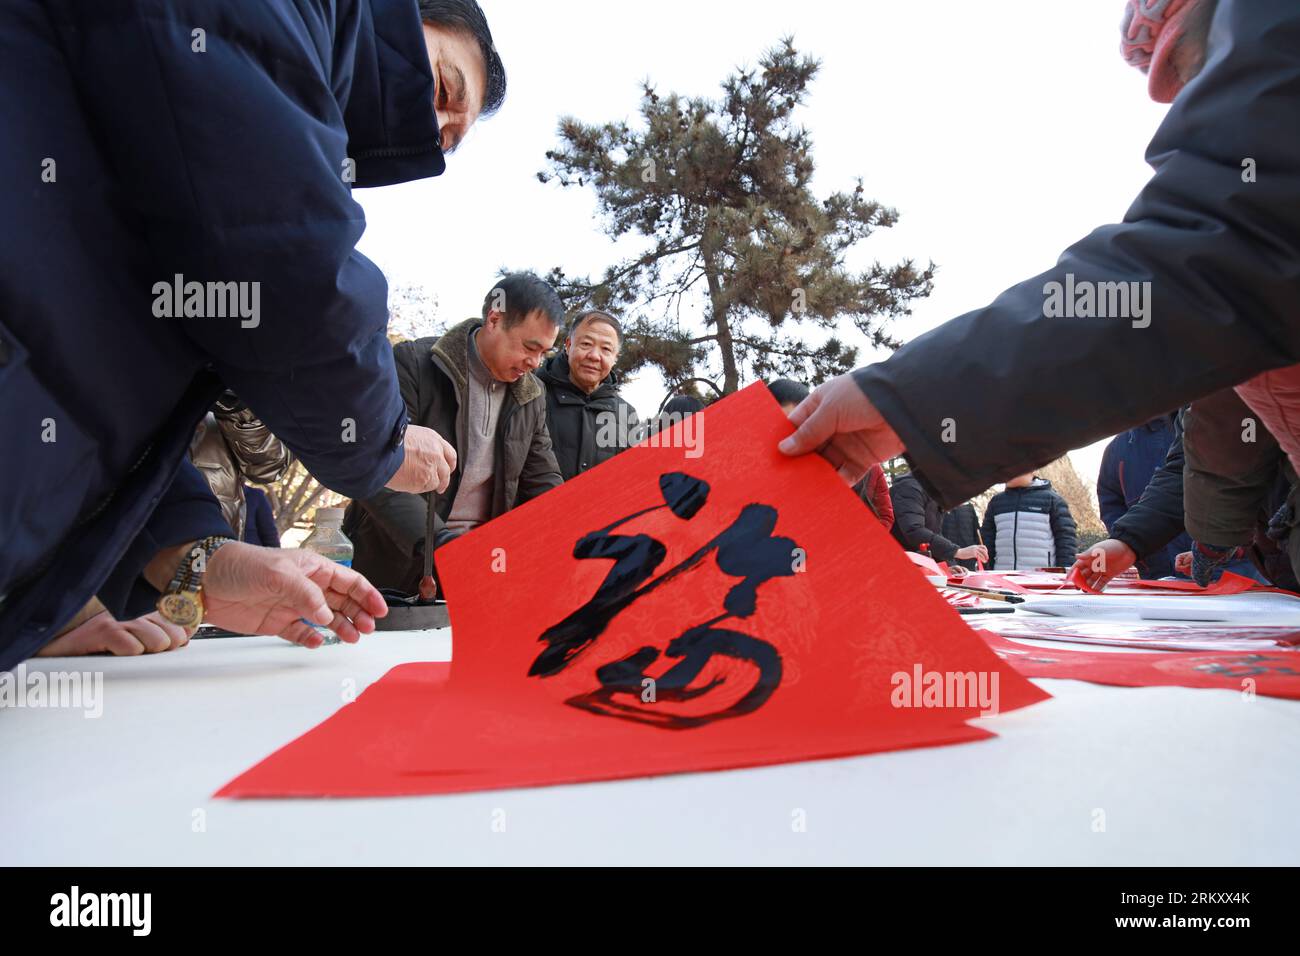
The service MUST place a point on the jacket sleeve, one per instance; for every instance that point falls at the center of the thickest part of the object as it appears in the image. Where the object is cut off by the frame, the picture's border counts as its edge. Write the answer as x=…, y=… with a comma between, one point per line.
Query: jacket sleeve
x=1064, y=532
x=909, y=521
x=1229, y=473
x=236, y=157
x=1219, y=247
x=186, y=512
x=541, y=471
x=267, y=532
x=1110, y=488
x=1157, y=517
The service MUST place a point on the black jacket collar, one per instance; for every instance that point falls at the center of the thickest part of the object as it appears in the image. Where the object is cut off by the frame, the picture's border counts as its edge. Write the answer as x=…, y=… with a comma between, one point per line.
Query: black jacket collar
x=555, y=373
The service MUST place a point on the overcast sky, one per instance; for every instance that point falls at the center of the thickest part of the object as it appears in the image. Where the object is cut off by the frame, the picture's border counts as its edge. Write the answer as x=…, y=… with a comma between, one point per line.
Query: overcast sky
x=1001, y=131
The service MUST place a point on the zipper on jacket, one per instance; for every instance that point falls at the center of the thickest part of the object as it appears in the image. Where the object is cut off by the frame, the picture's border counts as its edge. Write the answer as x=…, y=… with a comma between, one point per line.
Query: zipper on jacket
x=1015, y=535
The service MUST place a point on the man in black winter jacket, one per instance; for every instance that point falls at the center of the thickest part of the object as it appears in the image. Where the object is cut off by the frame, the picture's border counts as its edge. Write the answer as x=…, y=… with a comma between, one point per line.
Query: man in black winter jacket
x=1029, y=526
x=961, y=526
x=476, y=385
x=588, y=420
x=918, y=521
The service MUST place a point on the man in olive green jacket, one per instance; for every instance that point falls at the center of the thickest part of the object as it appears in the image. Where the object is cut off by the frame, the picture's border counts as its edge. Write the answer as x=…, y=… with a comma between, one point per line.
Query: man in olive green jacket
x=474, y=386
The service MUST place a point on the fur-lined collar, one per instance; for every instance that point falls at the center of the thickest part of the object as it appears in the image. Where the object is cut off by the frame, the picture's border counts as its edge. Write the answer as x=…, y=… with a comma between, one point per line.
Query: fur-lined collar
x=451, y=352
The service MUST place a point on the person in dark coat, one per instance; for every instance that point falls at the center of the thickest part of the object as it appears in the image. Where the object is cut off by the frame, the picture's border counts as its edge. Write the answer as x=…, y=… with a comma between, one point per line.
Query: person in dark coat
x=918, y=523
x=180, y=222
x=961, y=526
x=1215, y=484
x=1194, y=291
x=1127, y=466
x=1029, y=526
x=476, y=385
x=588, y=420
x=788, y=393
x=675, y=411
x=1239, y=494
x=259, y=526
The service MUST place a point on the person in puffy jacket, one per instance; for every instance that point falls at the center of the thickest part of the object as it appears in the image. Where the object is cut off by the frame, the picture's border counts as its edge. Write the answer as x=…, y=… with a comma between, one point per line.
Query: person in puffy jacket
x=1029, y=526
x=230, y=447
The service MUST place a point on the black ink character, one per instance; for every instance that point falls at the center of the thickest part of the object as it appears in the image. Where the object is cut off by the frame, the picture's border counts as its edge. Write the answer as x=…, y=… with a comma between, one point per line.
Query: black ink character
x=746, y=550
x=1251, y=665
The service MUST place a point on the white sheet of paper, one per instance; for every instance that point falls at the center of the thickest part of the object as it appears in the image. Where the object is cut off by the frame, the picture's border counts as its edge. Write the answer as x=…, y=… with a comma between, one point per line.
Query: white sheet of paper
x=1263, y=608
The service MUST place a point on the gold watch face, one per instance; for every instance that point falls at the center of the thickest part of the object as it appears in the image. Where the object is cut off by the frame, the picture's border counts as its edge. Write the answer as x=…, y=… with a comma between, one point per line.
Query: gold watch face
x=183, y=608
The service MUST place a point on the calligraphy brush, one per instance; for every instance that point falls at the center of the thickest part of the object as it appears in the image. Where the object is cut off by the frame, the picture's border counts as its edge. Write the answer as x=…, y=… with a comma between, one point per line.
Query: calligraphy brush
x=429, y=586
x=986, y=593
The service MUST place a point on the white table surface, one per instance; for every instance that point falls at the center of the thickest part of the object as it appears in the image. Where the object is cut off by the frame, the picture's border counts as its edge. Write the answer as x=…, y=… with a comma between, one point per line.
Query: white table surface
x=1184, y=777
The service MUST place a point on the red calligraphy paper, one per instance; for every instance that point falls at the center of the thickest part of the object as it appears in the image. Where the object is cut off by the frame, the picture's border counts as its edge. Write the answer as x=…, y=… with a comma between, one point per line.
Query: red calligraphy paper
x=1271, y=673
x=926, y=564
x=1228, y=583
x=988, y=579
x=699, y=602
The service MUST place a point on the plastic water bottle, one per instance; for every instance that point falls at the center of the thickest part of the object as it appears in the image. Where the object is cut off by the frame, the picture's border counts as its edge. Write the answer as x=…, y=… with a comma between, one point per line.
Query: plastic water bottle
x=329, y=541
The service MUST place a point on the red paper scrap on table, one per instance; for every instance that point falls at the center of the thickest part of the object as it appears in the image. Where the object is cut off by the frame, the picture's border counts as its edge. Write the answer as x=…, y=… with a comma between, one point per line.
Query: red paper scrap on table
x=1273, y=674
x=1024, y=581
x=699, y=602
x=1229, y=583
x=926, y=564
x=997, y=580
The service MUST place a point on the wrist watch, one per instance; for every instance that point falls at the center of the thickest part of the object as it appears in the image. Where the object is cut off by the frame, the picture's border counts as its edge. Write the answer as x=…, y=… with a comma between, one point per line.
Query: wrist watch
x=182, y=602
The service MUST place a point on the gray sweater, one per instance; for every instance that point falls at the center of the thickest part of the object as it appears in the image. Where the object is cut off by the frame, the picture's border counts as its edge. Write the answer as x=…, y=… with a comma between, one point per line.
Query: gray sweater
x=473, y=503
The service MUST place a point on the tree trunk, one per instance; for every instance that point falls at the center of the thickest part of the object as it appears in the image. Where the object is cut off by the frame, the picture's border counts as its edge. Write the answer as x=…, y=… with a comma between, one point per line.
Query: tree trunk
x=730, y=376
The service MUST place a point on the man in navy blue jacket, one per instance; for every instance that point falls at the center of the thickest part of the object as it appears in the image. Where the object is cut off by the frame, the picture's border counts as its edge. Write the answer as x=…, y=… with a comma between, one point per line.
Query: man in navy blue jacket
x=178, y=219
x=1127, y=466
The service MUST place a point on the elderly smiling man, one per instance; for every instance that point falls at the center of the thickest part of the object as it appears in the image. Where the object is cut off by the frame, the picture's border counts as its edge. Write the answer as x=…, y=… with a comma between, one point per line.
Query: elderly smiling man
x=589, y=421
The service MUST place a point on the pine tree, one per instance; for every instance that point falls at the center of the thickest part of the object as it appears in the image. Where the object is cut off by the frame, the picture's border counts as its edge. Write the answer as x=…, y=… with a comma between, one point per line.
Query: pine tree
x=721, y=189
